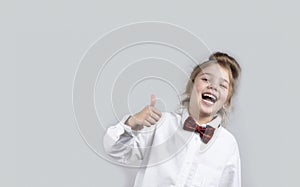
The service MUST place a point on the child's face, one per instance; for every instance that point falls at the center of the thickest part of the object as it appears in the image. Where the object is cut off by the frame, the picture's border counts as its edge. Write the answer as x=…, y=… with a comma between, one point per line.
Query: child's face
x=210, y=91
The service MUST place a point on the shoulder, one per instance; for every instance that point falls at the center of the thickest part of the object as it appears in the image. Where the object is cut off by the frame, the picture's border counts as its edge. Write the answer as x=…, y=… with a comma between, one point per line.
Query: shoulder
x=227, y=138
x=225, y=144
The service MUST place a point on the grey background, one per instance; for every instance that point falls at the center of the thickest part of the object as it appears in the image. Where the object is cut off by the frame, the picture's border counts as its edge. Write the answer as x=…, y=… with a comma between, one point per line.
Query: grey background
x=42, y=43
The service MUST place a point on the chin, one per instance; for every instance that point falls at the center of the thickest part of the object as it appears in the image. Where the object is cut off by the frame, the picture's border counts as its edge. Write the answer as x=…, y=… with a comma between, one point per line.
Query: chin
x=207, y=111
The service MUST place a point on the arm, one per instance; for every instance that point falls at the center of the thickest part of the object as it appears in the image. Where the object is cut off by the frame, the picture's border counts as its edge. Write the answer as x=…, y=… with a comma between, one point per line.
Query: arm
x=125, y=141
x=231, y=176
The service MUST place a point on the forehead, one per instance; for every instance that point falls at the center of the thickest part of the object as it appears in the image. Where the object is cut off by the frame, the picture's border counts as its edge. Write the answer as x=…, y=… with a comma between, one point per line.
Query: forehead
x=215, y=70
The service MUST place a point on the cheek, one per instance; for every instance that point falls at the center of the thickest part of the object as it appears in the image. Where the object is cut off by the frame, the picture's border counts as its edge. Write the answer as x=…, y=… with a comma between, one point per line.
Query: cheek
x=224, y=96
x=195, y=93
x=197, y=87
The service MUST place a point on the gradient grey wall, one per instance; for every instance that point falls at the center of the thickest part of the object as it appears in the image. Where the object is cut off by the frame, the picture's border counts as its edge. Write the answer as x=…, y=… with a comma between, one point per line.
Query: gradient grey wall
x=45, y=41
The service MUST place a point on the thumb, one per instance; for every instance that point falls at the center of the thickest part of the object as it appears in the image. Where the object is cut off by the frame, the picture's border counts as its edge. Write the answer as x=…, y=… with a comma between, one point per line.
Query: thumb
x=153, y=100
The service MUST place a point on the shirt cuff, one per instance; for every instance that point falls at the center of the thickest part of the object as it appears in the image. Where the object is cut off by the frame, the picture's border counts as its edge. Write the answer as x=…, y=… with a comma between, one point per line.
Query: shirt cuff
x=120, y=128
x=125, y=127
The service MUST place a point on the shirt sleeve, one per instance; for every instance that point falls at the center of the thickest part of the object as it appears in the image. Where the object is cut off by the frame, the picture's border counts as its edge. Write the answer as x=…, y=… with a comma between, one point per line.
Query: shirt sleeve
x=231, y=176
x=126, y=145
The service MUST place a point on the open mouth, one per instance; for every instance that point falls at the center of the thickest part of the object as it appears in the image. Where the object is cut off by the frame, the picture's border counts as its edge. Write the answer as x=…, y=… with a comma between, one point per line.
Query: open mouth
x=209, y=97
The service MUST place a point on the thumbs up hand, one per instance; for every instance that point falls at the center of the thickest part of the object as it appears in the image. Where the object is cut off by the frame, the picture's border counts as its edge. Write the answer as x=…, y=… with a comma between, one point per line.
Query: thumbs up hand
x=152, y=100
x=146, y=117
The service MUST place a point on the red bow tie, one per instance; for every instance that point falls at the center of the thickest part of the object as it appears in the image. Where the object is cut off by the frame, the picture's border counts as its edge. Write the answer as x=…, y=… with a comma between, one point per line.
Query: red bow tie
x=205, y=133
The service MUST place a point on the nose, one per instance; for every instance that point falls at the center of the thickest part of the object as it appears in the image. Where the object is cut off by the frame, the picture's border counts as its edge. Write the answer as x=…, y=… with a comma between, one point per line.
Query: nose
x=212, y=86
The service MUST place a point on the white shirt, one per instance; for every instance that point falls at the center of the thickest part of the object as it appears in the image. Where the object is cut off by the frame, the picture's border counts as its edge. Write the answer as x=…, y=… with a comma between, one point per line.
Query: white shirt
x=170, y=156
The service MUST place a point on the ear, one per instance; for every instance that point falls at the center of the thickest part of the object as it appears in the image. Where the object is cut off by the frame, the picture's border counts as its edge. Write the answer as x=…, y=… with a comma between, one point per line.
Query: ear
x=227, y=104
x=224, y=107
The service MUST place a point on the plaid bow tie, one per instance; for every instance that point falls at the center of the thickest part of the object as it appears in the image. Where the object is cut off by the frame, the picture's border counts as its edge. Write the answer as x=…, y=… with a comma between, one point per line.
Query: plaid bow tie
x=205, y=133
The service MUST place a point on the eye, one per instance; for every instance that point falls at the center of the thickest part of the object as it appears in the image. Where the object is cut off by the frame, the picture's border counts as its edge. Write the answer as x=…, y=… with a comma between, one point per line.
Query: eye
x=204, y=79
x=223, y=86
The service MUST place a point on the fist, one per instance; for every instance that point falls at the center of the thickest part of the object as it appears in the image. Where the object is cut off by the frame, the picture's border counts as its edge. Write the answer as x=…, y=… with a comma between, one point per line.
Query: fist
x=146, y=117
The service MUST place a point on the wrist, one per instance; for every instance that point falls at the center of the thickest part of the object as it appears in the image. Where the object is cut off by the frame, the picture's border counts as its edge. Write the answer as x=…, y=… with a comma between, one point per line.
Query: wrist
x=129, y=122
x=133, y=124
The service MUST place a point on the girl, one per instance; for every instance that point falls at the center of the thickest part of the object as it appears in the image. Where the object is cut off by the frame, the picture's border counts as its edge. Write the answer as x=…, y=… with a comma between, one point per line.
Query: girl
x=187, y=148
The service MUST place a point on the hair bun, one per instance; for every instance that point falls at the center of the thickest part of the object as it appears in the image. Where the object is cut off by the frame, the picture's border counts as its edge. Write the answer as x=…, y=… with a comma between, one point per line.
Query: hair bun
x=227, y=60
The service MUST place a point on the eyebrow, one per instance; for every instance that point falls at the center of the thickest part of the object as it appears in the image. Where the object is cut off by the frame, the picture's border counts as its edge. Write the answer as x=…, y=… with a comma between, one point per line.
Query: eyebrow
x=213, y=75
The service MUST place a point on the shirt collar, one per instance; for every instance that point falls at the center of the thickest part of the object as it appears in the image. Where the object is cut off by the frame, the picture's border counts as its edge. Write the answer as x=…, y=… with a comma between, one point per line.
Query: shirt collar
x=215, y=123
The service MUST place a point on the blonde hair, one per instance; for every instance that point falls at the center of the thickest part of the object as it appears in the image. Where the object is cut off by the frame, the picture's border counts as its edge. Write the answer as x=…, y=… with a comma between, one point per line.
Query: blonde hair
x=225, y=61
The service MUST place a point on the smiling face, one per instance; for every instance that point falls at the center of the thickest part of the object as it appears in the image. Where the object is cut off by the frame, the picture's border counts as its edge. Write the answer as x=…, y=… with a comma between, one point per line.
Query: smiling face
x=210, y=92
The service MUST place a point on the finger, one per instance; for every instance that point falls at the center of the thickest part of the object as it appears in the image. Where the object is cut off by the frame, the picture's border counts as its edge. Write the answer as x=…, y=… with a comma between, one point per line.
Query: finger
x=152, y=100
x=155, y=116
x=156, y=111
x=147, y=124
x=151, y=120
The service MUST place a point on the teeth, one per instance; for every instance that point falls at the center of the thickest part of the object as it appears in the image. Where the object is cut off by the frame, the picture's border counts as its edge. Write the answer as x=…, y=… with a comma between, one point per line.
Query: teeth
x=211, y=96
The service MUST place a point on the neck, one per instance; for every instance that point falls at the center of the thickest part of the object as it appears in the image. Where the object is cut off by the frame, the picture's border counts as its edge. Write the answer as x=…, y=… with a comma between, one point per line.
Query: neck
x=199, y=118
x=204, y=119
